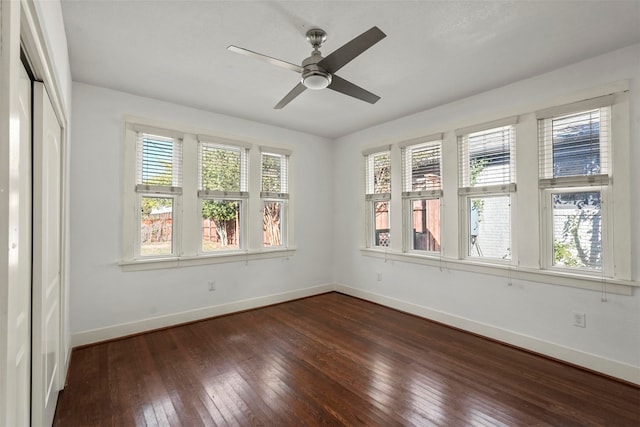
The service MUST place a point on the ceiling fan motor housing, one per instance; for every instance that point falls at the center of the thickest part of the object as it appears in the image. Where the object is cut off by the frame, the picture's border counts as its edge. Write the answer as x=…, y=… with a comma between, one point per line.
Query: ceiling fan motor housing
x=313, y=76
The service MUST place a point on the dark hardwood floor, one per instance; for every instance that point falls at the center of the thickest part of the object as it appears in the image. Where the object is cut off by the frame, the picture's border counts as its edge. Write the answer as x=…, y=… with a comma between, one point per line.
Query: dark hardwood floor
x=331, y=360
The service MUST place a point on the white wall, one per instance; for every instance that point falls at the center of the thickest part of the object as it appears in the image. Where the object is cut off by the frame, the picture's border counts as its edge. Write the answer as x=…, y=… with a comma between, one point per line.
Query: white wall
x=533, y=315
x=103, y=296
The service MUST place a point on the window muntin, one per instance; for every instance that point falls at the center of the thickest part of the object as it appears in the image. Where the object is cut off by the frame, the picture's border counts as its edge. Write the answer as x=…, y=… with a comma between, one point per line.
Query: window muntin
x=274, y=179
x=378, y=197
x=577, y=229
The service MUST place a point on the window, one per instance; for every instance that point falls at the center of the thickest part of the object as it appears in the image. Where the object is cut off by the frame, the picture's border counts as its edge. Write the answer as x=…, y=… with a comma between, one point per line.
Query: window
x=158, y=189
x=378, y=197
x=422, y=185
x=274, y=194
x=222, y=195
x=574, y=181
x=193, y=199
x=486, y=168
x=563, y=219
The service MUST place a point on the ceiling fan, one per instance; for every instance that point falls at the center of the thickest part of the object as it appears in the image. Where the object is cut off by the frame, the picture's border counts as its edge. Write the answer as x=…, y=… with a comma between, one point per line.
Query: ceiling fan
x=318, y=72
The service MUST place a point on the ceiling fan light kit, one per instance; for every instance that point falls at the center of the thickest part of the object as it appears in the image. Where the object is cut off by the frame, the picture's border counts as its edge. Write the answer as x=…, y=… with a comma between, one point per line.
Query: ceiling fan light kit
x=315, y=79
x=317, y=72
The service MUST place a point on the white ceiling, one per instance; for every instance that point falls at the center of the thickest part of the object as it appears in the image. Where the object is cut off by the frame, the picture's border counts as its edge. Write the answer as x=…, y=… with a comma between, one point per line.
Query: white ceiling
x=435, y=51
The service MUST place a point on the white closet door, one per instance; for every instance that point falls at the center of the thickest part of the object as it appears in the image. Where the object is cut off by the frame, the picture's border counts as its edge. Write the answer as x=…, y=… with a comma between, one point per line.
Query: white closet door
x=19, y=288
x=46, y=346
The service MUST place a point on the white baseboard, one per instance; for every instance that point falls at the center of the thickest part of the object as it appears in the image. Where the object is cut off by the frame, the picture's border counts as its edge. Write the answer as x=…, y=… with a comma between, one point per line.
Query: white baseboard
x=590, y=361
x=124, y=329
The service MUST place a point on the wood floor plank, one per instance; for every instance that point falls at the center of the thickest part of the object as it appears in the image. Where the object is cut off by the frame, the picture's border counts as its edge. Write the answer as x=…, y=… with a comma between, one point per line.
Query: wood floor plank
x=331, y=360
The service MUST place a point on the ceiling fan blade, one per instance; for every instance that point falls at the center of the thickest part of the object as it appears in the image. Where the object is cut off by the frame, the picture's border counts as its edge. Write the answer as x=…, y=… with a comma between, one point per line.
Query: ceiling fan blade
x=274, y=61
x=290, y=96
x=344, y=86
x=341, y=56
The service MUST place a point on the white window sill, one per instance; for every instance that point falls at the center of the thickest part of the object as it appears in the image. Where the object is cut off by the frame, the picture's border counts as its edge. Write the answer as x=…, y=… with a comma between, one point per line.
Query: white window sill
x=214, y=258
x=582, y=281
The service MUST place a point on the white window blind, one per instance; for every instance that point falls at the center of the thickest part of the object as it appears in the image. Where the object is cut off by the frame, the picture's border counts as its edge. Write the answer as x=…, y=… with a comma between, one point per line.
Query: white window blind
x=222, y=170
x=158, y=164
x=421, y=169
x=274, y=175
x=378, y=176
x=574, y=148
x=486, y=160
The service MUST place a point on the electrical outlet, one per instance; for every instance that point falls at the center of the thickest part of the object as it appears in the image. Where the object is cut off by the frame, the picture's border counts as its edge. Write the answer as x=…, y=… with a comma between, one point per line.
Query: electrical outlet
x=379, y=277
x=579, y=319
x=212, y=285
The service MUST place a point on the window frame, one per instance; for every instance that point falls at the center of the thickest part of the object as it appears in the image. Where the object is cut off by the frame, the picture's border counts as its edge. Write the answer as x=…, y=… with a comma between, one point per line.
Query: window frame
x=142, y=190
x=602, y=183
x=281, y=197
x=409, y=195
x=372, y=198
x=468, y=190
x=241, y=196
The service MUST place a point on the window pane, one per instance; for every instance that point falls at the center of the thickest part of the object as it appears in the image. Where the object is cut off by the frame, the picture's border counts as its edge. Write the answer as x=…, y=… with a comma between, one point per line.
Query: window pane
x=274, y=173
x=220, y=225
x=378, y=179
x=158, y=160
x=489, y=157
x=577, y=230
x=272, y=223
x=381, y=221
x=156, y=228
x=220, y=168
x=490, y=227
x=576, y=144
x=425, y=216
x=425, y=168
